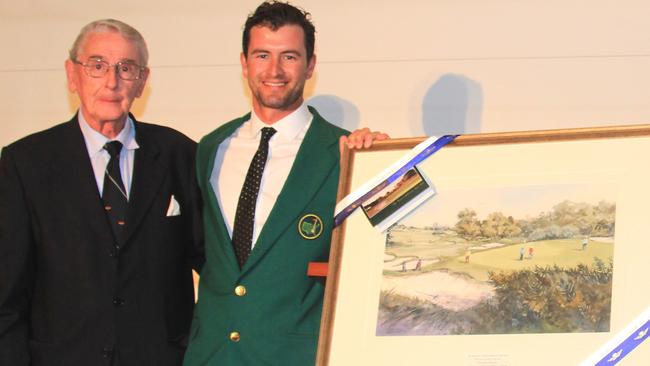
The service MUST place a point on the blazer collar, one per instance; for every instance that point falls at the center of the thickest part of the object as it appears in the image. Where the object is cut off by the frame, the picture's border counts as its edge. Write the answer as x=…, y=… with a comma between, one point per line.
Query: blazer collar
x=317, y=156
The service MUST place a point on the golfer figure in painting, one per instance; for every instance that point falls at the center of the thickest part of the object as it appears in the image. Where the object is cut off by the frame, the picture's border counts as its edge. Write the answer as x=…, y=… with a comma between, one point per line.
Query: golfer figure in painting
x=418, y=265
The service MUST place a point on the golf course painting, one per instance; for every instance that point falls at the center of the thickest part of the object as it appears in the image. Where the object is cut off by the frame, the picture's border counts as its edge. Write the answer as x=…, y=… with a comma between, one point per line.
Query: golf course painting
x=502, y=260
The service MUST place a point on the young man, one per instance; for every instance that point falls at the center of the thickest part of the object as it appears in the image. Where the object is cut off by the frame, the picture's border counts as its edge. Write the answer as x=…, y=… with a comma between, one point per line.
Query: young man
x=99, y=223
x=269, y=181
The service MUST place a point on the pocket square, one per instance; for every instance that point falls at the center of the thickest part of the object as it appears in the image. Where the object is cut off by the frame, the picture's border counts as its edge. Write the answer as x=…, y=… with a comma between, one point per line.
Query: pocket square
x=174, y=208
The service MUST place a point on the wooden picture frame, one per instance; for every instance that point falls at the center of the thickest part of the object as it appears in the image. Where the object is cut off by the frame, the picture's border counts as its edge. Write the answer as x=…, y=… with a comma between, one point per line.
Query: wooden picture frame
x=613, y=156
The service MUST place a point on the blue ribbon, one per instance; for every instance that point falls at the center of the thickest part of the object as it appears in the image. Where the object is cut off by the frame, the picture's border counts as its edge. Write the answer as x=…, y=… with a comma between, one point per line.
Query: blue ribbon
x=628, y=345
x=428, y=151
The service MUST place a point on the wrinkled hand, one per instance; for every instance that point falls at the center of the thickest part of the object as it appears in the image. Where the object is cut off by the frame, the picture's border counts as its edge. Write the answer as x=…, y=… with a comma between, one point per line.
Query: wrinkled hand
x=361, y=139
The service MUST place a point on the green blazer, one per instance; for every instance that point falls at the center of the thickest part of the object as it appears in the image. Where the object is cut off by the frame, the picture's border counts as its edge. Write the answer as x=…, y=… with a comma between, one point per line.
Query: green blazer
x=267, y=313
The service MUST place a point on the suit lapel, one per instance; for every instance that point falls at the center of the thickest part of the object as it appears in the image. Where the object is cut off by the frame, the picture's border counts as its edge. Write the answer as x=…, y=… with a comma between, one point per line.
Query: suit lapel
x=73, y=182
x=317, y=156
x=148, y=176
x=207, y=155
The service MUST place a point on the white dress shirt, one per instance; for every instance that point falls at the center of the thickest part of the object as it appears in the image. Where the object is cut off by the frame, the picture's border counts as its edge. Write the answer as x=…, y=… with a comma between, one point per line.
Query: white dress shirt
x=99, y=157
x=236, y=153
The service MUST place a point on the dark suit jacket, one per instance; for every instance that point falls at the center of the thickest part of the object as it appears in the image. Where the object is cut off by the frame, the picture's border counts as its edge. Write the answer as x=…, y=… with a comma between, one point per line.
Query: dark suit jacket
x=66, y=296
x=278, y=316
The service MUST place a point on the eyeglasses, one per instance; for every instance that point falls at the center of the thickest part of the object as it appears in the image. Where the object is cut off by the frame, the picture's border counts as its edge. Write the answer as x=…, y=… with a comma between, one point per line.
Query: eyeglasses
x=126, y=70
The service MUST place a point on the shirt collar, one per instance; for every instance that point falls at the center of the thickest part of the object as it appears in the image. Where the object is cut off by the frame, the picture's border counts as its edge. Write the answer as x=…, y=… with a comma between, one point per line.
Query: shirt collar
x=288, y=128
x=95, y=141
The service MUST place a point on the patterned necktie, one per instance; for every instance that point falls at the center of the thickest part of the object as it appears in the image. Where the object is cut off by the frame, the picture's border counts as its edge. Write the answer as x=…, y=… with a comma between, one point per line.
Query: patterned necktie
x=242, y=234
x=114, y=195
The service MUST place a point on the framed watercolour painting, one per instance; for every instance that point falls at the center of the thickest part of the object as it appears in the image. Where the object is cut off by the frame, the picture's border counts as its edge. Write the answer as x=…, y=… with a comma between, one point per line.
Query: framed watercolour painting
x=533, y=251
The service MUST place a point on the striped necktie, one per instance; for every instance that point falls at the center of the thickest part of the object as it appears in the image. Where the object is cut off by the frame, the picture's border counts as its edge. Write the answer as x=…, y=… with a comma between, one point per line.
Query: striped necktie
x=114, y=194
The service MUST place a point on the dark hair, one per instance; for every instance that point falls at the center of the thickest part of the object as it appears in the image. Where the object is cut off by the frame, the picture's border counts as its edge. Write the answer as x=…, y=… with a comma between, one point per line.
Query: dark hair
x=275, y=14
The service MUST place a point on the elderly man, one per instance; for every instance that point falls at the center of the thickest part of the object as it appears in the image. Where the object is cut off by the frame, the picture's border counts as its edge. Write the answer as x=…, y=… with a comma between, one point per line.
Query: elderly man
x=269, y=182
x=99, y=223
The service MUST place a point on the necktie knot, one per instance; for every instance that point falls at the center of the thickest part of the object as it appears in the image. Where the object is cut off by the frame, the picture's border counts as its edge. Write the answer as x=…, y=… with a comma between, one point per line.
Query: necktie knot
x=113, y=148
x=267, y=133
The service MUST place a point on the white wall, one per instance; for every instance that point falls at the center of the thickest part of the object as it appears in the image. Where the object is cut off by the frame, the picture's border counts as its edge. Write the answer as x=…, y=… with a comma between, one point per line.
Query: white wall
x=405, y=67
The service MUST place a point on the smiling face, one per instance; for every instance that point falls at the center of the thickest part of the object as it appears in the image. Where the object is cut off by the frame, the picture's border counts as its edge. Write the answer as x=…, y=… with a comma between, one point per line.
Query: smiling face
x=105, y=99
x=276, y=69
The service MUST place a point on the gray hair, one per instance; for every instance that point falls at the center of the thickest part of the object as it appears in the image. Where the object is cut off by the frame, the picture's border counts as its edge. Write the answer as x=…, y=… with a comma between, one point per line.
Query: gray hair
x=111, y=25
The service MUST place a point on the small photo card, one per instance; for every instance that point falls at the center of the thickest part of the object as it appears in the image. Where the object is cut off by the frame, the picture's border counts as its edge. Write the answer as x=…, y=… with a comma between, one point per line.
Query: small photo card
x=397, y=199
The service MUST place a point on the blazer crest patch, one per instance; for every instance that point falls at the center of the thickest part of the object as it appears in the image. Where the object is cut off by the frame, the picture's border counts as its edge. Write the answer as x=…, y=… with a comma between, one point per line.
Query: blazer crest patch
x=310, y=226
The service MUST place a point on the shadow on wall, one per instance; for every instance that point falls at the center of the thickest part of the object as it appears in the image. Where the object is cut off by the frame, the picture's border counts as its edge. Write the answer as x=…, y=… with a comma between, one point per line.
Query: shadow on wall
x=452, y=105
x=336, y=110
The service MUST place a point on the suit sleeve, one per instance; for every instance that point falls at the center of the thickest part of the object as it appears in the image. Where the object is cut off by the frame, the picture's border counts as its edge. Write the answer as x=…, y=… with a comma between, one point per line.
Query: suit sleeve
x=197, y=257
x=197, y=251
x=16, y=265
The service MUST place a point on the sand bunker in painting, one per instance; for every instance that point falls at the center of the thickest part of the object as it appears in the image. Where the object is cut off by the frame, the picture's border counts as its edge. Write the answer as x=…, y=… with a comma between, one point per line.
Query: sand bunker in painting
x=547, y=268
